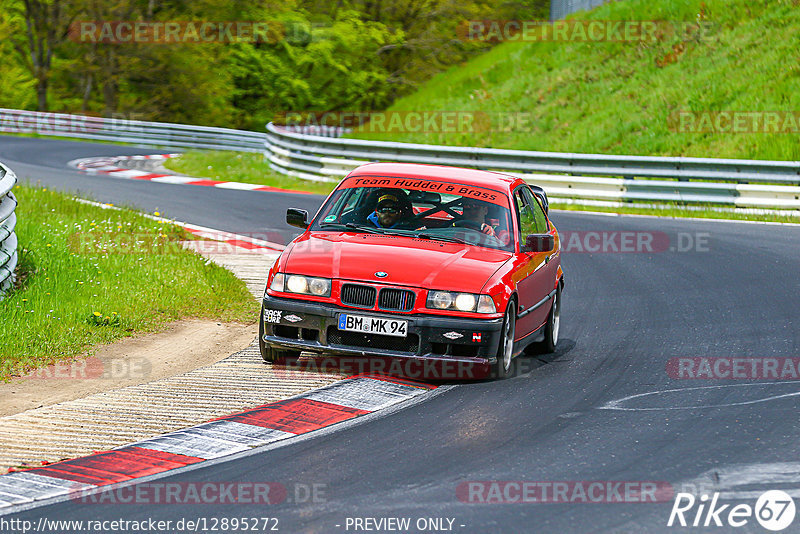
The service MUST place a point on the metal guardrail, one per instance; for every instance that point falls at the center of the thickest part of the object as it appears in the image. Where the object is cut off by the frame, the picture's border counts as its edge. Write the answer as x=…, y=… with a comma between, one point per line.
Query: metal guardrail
x=8, y=221
x=327, y=157
x=745, y=183
x=158, y=134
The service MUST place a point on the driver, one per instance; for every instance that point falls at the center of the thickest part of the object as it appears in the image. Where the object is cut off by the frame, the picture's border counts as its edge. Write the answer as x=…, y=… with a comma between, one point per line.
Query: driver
x=475, y=212
x=392, y=210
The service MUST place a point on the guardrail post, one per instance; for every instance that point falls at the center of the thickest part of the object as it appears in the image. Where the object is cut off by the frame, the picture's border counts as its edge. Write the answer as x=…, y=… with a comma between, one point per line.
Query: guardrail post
x=8, y=221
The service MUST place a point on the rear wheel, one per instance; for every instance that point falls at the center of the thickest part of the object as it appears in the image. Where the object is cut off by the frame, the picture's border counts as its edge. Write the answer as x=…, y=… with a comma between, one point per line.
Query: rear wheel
x=505, y=349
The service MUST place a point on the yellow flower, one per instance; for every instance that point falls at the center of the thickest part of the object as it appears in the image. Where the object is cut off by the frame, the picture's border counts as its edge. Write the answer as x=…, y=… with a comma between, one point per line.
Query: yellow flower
x=97, y=314
x=49, y=245
x=157, y=214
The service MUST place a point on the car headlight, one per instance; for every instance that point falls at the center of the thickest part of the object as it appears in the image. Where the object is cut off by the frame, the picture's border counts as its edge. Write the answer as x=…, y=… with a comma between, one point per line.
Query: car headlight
x=467, y=302
x=277, y=282
x=304, y=285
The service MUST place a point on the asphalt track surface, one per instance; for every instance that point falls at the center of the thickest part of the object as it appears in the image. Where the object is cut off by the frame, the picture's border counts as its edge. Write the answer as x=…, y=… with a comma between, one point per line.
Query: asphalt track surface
x=624, y=316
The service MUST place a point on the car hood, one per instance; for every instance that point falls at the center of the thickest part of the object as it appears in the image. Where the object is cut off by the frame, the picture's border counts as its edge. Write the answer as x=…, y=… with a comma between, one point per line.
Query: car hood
x=407, y=261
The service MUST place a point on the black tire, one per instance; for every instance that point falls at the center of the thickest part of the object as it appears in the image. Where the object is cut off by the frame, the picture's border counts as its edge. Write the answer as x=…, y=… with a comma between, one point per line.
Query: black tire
x=551, y=329
x=271, y=354
x=505, y=349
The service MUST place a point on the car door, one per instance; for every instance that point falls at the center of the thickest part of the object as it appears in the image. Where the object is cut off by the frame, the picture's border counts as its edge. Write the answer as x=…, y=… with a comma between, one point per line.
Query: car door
x=552, y=259
x=532, y=275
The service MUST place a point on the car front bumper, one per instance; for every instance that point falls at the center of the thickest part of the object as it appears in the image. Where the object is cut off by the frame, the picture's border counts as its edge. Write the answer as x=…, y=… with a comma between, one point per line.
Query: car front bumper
x=313, y=327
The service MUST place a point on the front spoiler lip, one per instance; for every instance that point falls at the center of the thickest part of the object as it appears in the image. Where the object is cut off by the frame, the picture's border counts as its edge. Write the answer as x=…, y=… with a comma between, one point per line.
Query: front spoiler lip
x=328, y=310
x=338, y=350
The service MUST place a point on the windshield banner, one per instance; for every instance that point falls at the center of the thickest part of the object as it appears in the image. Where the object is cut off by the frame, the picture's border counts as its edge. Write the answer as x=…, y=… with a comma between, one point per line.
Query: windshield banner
x=416, y=184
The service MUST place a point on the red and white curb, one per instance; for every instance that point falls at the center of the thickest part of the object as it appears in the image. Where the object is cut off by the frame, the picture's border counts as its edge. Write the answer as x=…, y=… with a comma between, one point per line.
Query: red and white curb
x=110, y=166
x=348, y=399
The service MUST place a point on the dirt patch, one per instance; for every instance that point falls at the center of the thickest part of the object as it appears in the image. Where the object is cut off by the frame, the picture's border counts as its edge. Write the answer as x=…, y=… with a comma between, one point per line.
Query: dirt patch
x=184, y=346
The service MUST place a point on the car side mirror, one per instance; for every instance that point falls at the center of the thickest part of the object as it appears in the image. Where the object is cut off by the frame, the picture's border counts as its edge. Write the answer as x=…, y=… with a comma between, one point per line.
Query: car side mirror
x=542, y=196
x=297, y=217
x=539, y=243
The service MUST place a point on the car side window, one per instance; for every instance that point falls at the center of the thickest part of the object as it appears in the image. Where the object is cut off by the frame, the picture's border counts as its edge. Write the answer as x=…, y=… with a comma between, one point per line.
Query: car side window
x=538, y=213
x=527, y=218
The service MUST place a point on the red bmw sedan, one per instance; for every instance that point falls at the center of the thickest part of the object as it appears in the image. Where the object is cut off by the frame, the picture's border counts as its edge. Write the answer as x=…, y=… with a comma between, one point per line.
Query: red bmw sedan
x=419, y=263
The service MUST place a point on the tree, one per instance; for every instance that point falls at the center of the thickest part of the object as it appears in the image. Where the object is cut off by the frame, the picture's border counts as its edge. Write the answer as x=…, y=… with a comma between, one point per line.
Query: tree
x=47, y=25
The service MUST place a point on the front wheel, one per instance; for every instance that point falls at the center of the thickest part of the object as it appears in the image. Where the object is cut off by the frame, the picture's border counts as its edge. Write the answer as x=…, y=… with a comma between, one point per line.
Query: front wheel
x=553, y=324
x=505, y=350
x=270, y=354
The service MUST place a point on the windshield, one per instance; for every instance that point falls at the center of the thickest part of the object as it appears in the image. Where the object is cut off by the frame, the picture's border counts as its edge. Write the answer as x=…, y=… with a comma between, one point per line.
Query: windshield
x=426, y=209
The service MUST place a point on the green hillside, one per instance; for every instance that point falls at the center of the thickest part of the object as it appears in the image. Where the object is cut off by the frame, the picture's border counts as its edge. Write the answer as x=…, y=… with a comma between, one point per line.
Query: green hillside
x=618, y=97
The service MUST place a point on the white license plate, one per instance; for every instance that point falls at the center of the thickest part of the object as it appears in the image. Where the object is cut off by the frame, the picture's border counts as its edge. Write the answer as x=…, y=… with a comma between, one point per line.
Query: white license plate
x=373, y=325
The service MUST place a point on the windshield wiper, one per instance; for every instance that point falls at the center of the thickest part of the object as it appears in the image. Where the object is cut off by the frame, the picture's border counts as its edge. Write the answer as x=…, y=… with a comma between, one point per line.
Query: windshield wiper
x=432, y=237
x=448, y=239
x=354, y=226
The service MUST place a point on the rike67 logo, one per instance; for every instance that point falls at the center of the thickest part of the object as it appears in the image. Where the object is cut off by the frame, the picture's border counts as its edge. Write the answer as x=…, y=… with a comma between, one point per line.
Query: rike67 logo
x=774, y=510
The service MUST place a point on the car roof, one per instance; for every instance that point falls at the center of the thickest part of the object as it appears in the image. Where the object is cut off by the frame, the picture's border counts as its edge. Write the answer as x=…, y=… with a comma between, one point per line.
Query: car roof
x=490, y=179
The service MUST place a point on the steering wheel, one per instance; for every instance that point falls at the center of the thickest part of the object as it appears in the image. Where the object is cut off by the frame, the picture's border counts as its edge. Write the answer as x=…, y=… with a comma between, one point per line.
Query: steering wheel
x=466, y=223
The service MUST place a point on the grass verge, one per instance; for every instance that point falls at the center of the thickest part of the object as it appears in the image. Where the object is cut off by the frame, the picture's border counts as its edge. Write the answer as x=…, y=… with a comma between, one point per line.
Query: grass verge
x=240, y=167
x=89, y=276
x=624, y=97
